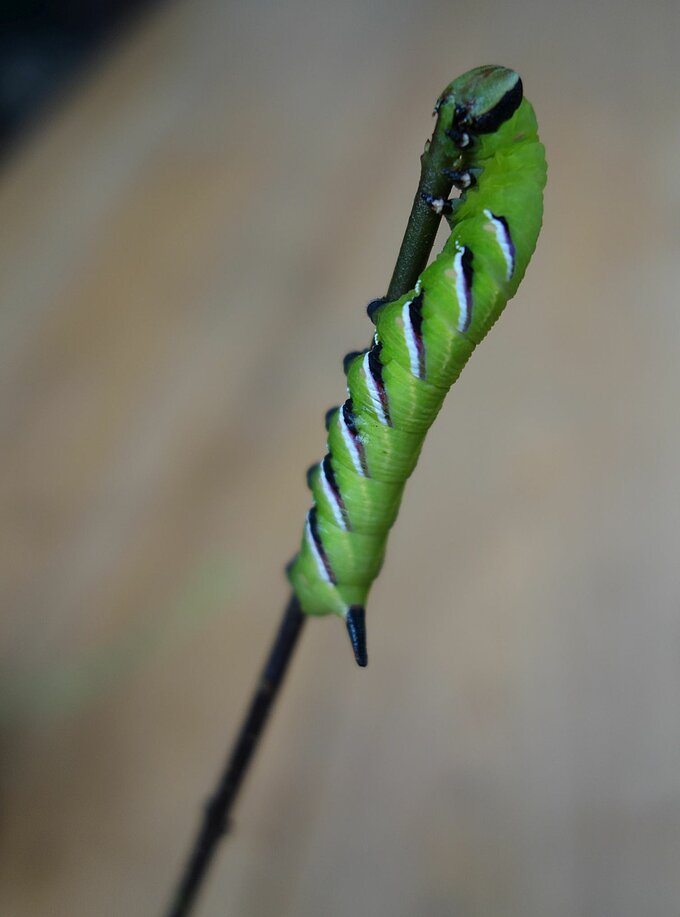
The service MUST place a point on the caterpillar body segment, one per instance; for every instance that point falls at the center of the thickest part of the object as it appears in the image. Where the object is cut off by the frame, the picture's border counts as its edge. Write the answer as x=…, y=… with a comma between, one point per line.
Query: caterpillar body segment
x=421, y=343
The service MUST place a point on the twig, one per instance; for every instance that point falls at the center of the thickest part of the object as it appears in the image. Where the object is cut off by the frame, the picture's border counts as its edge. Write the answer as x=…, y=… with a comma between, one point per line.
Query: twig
x=413, y=254
x=423, y=222
x=216, y=818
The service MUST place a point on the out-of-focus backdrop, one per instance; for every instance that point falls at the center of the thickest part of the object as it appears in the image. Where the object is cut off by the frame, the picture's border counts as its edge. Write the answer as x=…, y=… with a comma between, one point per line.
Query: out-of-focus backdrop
x=189, y=233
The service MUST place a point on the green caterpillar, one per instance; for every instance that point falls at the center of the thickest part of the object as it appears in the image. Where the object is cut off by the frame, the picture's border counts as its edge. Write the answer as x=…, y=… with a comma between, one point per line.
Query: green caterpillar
x=422, y=342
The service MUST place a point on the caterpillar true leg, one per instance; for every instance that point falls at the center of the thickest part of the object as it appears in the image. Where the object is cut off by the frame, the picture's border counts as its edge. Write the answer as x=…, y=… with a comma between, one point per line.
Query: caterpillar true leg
x=461, y=139
x=439, y=204
x=422, y=342
x=462, y=178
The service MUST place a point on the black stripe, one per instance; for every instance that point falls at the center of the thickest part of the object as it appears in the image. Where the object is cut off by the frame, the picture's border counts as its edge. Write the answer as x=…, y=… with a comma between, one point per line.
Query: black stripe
x=511, y=243
x=468, y=277
x=333, y=484
x=348, y=416
x=375, y=368
x=415, y=311
x=313, y=528
x=501, y=112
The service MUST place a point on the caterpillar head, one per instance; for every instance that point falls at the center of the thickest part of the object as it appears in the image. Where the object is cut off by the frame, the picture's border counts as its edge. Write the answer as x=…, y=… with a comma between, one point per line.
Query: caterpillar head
x=482, y=99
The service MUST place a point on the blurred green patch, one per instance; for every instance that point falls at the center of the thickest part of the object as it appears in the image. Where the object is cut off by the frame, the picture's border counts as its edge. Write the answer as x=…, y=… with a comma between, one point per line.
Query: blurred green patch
x=68, y=685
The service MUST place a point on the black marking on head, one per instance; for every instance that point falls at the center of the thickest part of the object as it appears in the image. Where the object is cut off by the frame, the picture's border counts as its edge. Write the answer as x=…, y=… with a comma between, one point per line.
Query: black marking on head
x=356, y=628
x=289, y=566
x=460, y=113
x=468, y=277
x=328, y=419
x=502, y=111
x=347, y=359
x=329, y=474
x=350, y=423
x=373, y=307
x=376, y=370
x=415, y=310
x=314, y=529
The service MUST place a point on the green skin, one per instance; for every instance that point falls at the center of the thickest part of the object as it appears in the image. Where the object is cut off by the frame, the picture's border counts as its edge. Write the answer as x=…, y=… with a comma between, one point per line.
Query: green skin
x=495, y=224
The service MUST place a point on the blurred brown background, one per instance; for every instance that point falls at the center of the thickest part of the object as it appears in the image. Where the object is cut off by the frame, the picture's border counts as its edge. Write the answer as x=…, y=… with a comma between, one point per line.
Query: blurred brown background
x=189, y=237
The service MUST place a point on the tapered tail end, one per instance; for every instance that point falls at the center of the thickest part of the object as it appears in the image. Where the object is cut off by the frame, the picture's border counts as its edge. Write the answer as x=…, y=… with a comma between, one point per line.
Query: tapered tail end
x=356, y=628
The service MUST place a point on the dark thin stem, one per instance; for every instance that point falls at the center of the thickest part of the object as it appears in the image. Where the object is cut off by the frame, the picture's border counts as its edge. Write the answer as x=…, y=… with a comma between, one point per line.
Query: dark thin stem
x=415, y=249
x=218, y=808
x=423, y=222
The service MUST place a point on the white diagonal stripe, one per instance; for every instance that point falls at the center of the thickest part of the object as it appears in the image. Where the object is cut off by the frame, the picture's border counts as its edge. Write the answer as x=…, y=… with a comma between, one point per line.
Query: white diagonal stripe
x=330, y=495
x=374, y=393
x=411, y=342
x=318, y=559
x=348, y=439
x=462, y=292
x=504, y=243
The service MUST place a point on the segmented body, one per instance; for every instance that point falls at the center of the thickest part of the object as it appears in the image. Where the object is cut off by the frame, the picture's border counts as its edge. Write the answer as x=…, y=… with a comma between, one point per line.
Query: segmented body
x=421, y=343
